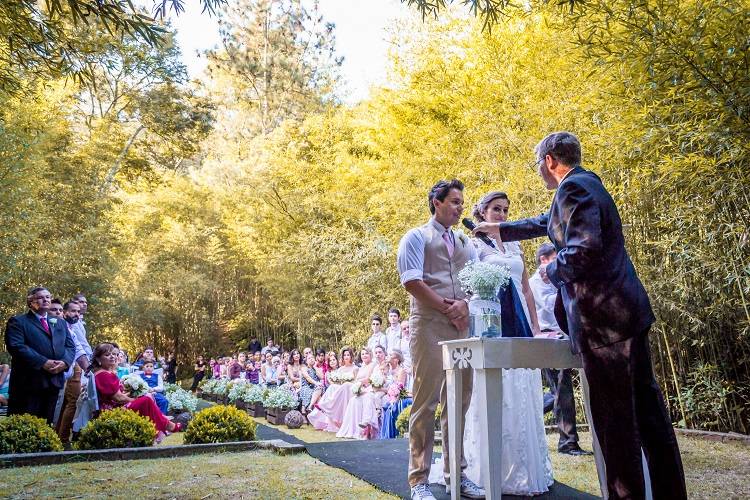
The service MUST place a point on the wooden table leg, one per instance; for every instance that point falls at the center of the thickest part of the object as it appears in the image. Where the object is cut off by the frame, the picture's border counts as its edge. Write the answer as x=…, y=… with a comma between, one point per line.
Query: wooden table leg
x=454, y=388
x=489, y=384
x=598, y=456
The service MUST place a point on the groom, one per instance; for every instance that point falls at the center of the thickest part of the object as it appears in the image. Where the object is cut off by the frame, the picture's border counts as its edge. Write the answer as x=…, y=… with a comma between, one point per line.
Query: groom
x=429, y=260
x=604, y=308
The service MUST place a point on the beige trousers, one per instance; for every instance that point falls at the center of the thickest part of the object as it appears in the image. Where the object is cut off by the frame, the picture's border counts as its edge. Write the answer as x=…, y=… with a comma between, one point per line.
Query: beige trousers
x=427, y=329
x=68, y=411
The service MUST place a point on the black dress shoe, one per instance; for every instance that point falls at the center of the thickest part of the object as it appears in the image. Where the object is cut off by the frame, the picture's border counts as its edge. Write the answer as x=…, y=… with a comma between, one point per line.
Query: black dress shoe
x=576, y=452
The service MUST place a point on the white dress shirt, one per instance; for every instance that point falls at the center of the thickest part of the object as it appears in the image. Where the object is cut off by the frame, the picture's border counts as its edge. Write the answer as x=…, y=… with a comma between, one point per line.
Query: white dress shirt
x=376, y=340
x=545, y=295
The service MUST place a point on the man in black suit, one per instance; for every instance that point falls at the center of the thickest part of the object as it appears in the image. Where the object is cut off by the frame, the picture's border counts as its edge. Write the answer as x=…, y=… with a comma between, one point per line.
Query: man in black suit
x=605, y=310
x=41, y=350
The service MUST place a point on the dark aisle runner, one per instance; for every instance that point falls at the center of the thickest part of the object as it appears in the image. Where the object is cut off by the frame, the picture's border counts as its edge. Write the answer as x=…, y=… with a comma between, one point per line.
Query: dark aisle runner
x=383, y=463
x=264, y=432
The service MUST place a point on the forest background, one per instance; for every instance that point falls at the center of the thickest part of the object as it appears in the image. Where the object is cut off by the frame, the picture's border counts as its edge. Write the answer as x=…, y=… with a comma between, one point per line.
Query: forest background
x=197, y=215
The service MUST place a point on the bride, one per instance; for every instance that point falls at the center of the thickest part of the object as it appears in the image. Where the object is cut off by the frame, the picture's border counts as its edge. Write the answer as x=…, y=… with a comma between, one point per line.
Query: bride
x=526, y=465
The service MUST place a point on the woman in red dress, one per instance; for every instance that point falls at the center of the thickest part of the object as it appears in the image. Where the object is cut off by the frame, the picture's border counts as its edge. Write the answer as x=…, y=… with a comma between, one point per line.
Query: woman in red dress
x=110, y=392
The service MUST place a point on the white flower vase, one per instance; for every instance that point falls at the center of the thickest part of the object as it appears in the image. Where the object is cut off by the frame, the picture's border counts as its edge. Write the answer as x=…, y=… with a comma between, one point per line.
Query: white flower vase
x=484, y=316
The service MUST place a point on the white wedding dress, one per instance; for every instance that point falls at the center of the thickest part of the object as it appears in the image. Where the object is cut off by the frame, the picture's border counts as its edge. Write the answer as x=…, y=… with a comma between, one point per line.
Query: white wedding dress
x=527, y=469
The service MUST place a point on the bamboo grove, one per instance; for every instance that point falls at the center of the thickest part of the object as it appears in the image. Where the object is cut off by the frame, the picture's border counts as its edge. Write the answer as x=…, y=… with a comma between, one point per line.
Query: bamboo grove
x=253, y=203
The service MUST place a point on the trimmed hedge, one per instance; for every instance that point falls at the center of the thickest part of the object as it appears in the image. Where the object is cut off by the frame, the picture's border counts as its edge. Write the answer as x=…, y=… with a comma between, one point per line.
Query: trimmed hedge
x=27, y=434
x=117, y=428
x=220, y=424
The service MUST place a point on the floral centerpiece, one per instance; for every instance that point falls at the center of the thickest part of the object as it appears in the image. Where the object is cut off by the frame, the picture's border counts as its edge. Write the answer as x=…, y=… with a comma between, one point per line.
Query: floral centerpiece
x=181, y=400
x=253, y=399
x=171, y=388
x=134, y=385
x=278, y=403
x=483, y=281
x=333, y=377
x=237, y=390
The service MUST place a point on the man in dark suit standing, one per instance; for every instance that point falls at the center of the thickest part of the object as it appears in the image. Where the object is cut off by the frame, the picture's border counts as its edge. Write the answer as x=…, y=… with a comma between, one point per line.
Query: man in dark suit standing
x=605, y=310
x=41, y=350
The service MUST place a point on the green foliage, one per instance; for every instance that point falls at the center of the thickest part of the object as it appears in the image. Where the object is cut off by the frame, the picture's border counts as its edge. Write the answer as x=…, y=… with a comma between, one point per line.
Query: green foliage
x=117, y=428
x=220, y=424
x=402, y=421
x=27, y=434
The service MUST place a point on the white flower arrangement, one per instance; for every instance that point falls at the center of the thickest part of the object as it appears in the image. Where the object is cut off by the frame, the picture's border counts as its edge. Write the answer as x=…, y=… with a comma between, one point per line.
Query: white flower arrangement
x=345, y=377
x=208, y=385
x=484, y=279
x=357, y=388
x=134, y=385
x=255, y=394
x=280, y=398
x=238, y=389
x=377, y=380
x=180, y=399
x=168, y=388
x=221, y=387
x=333, y=377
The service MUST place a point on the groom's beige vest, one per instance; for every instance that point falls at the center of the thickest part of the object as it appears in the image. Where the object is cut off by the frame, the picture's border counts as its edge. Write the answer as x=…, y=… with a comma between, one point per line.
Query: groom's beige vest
x=441, y=271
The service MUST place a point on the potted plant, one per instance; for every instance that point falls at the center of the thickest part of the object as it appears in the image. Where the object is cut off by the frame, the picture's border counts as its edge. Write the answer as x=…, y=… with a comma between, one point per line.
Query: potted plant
x=237, y=390
x=253, y=399
x=278, y=403
x=181, y=401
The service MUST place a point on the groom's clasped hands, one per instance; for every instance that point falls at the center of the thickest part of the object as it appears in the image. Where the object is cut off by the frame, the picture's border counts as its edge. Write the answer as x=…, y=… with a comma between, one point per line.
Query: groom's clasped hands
x=458, y=313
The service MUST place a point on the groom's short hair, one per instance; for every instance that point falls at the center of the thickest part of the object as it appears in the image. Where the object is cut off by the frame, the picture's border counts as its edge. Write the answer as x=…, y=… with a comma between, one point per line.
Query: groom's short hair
x=440, y=190
x=562, y=146
x=544, y=250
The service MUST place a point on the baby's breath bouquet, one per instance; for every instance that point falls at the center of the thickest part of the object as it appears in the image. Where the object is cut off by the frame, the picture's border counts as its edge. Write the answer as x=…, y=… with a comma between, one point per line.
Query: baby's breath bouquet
x=345, y=377
x=333, y=377
x=356, y=388
x=377, y=380
x=134, y=385
x=484, y=279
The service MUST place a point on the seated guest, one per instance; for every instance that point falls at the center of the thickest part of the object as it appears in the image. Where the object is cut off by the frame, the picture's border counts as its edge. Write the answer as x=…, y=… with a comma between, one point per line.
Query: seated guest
x=199, y=373
x=361, y=416
x=305, y=353
x=238, y=367
x=311, y=384
x=123, y=367
x=252, y=372
x=110, y=394
x=215, y=367
x=156, y=386
x=224, y=367
x=4, y=384
x=394, y=404
x=270, y=373
x=294, y=369
x=328, y=414
x=148, y=355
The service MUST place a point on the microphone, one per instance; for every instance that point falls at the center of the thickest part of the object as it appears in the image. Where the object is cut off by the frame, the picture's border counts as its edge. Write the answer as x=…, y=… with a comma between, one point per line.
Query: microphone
x=469, y=224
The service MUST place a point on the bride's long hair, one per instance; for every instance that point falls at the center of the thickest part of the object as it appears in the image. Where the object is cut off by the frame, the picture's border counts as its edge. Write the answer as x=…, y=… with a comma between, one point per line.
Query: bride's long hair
x=481, y=205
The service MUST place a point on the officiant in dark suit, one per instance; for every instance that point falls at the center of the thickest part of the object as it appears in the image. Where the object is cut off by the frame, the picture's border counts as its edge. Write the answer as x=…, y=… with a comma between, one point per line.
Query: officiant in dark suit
x=605, y=310
x=41, y=350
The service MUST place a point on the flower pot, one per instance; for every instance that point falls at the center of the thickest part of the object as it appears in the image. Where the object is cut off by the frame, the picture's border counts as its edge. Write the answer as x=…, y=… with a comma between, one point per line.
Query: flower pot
x=239, y=404
x=255, y=409
x=276, y=416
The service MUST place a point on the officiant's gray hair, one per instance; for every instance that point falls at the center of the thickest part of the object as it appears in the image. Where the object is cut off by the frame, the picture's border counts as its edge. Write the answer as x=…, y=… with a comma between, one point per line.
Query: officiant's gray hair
x=562, y=146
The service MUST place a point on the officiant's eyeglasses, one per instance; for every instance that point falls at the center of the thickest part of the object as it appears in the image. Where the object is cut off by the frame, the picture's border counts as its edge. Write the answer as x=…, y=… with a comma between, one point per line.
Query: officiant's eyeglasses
x=534, y=165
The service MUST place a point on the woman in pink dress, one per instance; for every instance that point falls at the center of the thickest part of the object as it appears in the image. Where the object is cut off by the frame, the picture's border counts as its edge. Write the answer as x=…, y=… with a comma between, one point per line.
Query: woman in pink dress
x=110, y=394
x=329, y=411
x=361, y=419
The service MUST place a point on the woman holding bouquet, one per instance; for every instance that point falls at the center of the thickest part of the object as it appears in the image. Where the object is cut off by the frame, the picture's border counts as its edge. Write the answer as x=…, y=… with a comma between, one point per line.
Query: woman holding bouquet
x=397, y=397
x=111, y=395
x=328, y=413
x=361, y=419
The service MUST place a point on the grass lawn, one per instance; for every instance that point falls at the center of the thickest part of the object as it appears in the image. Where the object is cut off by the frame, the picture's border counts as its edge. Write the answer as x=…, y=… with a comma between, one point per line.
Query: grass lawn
x=254, y=474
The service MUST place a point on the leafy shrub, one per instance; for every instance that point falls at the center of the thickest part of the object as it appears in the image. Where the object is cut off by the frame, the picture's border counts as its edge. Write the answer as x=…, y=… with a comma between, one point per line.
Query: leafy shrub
x=402, y=421
x=280, y=398
x=117, y=428
x=182, y=400
x=220, y=424
x=256, y=394
x=27, y=434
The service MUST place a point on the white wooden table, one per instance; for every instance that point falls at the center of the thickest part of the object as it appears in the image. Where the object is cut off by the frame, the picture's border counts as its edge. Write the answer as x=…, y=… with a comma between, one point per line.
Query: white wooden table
x=487, y=357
